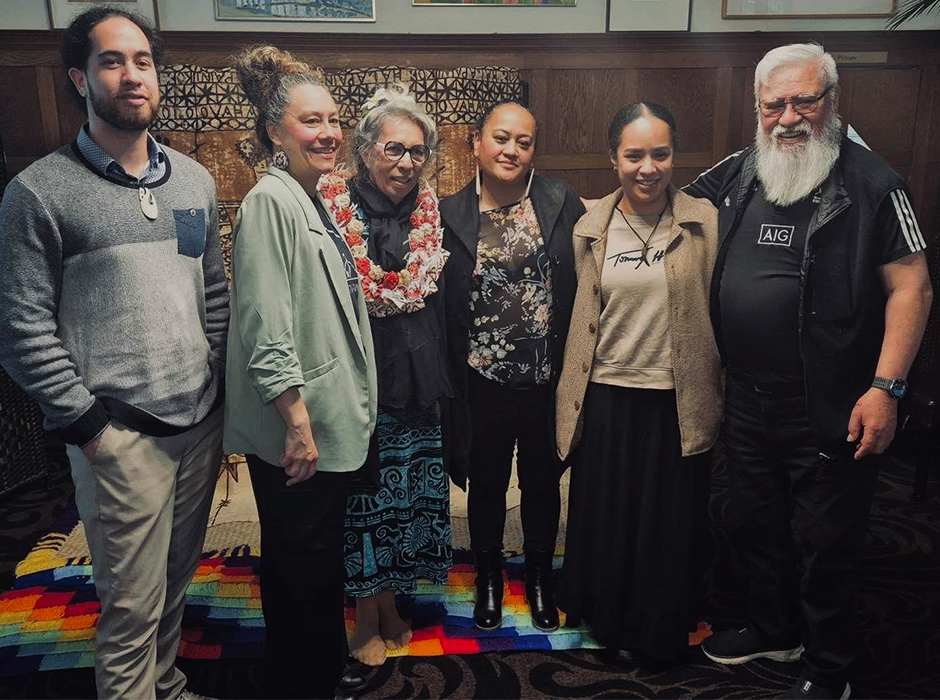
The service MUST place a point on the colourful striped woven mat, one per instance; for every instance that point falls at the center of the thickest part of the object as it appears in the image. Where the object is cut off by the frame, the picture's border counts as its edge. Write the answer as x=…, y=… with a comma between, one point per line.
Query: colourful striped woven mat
x=48, y=620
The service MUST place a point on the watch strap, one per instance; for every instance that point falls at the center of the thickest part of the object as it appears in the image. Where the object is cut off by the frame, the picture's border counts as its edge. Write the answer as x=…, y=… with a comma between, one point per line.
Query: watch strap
x=882, y=383
x=896, y=388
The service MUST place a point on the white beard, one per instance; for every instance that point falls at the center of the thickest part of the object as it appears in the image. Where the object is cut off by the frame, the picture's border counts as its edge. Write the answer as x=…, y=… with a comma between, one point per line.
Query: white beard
x=790, y=173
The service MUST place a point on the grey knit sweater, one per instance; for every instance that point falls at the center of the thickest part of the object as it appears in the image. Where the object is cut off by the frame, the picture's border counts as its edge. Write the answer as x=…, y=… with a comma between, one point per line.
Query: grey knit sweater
x=104, y=312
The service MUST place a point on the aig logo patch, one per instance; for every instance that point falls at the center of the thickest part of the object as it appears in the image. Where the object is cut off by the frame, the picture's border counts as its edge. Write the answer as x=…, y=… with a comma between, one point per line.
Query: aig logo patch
x=774, y=234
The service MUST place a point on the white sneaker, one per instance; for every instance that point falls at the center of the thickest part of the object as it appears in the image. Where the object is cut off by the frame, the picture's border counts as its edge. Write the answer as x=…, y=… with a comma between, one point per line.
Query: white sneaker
x=190, y=695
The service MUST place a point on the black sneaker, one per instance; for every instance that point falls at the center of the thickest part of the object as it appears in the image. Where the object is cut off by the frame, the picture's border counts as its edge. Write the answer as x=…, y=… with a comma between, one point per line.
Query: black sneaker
x=741, y=646
x=813, y=691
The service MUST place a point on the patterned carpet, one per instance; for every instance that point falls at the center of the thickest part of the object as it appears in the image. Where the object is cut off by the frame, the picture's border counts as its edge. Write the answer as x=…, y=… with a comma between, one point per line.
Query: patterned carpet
x=900, y=610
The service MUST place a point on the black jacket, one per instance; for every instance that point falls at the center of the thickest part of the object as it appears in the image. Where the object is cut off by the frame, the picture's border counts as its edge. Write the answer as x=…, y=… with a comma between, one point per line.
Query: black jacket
x=842, y=300
x=557, y=208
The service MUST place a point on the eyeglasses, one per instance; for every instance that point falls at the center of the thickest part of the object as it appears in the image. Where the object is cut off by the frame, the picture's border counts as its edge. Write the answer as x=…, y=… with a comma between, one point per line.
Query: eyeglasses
x=802, y=104
x=395, y=151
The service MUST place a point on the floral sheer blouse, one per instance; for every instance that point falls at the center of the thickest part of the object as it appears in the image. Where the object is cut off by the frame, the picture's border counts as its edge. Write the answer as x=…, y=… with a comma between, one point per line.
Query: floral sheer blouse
x=511, y=299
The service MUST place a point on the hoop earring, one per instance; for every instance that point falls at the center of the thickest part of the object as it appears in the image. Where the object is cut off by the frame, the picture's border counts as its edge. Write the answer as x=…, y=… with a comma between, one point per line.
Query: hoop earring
x=479, y=183
x=279, y=160
x=529, y=183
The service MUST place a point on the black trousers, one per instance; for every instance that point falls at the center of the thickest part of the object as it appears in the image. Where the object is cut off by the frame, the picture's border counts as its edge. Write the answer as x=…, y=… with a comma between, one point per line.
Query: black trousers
x=502, y=418
x=302, y=579
x=800, y=512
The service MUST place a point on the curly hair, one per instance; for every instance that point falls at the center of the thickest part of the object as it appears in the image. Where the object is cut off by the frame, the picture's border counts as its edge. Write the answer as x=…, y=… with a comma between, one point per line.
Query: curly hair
x=267, y=75
x=391, y=102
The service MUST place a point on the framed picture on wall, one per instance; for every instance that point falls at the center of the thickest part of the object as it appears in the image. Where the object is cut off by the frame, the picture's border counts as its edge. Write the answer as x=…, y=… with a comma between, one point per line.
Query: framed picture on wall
x=496, y=3
x=296, y=10
x=801, y=9
x=648, y=15
x=61, y=12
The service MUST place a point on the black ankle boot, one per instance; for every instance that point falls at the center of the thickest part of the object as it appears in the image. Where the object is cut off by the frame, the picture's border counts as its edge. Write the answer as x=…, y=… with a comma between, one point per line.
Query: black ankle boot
x=488, y=610
x=538, y=590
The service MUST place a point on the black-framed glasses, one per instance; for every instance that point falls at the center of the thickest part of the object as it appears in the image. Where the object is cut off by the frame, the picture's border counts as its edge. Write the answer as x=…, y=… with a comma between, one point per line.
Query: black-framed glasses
x=395, y=151
x=802, y=104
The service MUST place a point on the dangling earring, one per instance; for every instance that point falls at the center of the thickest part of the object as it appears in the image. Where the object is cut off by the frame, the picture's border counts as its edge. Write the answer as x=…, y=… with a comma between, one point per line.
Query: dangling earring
x=529, y=183
x=279, y=160
x=479, y=183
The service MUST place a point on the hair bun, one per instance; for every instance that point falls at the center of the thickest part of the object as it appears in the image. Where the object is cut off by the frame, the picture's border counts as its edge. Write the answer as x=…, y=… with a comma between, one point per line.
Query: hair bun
x=394, y=94
x=260, y=68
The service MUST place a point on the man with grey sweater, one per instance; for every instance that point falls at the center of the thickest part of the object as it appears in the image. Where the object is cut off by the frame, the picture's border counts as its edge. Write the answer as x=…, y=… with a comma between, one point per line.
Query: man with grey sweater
x=113, y=316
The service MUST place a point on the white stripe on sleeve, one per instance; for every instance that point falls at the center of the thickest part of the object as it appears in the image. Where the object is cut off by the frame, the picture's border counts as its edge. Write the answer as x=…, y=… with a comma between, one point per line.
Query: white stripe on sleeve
x=723, y=160
x=907, y=220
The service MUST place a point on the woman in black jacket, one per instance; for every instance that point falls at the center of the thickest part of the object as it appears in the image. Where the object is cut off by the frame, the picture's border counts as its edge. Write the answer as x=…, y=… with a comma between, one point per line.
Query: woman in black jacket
x=510, y=286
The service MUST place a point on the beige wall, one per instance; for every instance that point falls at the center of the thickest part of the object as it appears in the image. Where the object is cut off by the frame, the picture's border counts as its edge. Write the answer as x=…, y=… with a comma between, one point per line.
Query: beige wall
x=399, y=16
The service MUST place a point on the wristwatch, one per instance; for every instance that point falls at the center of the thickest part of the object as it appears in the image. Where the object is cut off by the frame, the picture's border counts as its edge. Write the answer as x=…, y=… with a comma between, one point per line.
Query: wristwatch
x=896, y=388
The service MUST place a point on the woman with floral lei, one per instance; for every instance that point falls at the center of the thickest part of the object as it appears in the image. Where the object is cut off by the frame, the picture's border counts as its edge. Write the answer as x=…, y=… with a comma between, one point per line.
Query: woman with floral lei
x=510, y=288
x=397, y=519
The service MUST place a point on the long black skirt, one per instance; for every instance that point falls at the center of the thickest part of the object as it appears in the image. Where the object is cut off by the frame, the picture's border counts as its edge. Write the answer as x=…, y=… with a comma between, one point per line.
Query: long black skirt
x=636, y=524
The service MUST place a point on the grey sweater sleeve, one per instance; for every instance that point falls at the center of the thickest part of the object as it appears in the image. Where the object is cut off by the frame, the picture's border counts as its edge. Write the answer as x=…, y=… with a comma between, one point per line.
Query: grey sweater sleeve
x=30, y=351
x=213, y=270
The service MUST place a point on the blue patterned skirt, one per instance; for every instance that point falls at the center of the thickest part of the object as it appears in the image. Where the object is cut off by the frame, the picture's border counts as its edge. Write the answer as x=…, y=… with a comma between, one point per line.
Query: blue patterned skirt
x=401, y=533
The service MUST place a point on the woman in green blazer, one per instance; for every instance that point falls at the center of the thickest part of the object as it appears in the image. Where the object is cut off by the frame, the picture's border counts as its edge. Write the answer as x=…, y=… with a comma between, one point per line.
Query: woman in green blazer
x=301, y=385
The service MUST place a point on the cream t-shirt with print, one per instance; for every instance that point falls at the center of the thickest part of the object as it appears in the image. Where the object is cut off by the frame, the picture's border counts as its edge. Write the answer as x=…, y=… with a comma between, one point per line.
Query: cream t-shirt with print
x=633, y=338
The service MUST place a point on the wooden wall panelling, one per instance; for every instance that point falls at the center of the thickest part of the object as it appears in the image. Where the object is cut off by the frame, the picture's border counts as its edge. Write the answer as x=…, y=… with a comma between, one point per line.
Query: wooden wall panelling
x=748, y=115
x=741, y=118
x=929, y=220
x=591, y=184
x=690, y=95
x=23, y=137
x=721, y=108
x=577, y=106
x=927, y=99
x=71, y=115
x=570, y=122
x=573, y=109
x=883, y=108
x=846, y=94
x=577, y=82
x=933, y=139
x=48, y=107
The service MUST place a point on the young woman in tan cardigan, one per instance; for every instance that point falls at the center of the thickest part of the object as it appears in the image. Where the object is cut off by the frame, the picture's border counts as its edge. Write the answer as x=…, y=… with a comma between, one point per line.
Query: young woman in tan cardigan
x=640, y=397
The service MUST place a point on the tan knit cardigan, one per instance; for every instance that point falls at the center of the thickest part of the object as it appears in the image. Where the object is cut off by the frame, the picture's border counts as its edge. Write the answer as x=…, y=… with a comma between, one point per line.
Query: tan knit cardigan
x=690, y=259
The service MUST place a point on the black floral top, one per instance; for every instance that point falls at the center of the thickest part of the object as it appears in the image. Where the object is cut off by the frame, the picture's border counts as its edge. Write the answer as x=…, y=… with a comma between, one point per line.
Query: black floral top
x=511, y=299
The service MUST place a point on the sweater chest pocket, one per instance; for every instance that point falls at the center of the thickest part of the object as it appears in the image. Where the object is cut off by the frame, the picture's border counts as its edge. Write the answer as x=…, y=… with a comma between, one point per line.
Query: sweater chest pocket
x=190, y=232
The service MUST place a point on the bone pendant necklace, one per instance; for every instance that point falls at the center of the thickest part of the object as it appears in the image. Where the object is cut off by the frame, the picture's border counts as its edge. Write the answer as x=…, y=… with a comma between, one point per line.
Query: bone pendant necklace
x=148, y=203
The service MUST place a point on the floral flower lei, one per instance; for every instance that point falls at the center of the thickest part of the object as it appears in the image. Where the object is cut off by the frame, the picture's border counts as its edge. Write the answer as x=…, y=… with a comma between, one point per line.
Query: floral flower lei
x=391, y=292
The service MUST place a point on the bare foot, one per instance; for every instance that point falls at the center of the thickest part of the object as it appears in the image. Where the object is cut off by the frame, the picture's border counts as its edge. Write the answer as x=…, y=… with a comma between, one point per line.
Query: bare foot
x=394, y=630
x=396, y=633
x=370, y=651
x=367, y=645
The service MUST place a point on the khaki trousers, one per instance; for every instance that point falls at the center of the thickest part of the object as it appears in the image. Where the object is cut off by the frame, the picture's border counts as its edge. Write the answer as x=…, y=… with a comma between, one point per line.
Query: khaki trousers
x=145, y=503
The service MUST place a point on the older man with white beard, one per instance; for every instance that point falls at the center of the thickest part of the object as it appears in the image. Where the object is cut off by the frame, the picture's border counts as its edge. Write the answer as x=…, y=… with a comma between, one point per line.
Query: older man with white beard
x=819, y=300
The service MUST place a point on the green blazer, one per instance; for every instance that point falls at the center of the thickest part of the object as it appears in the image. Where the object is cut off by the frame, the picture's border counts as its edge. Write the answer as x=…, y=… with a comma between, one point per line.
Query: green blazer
x=293, y=325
